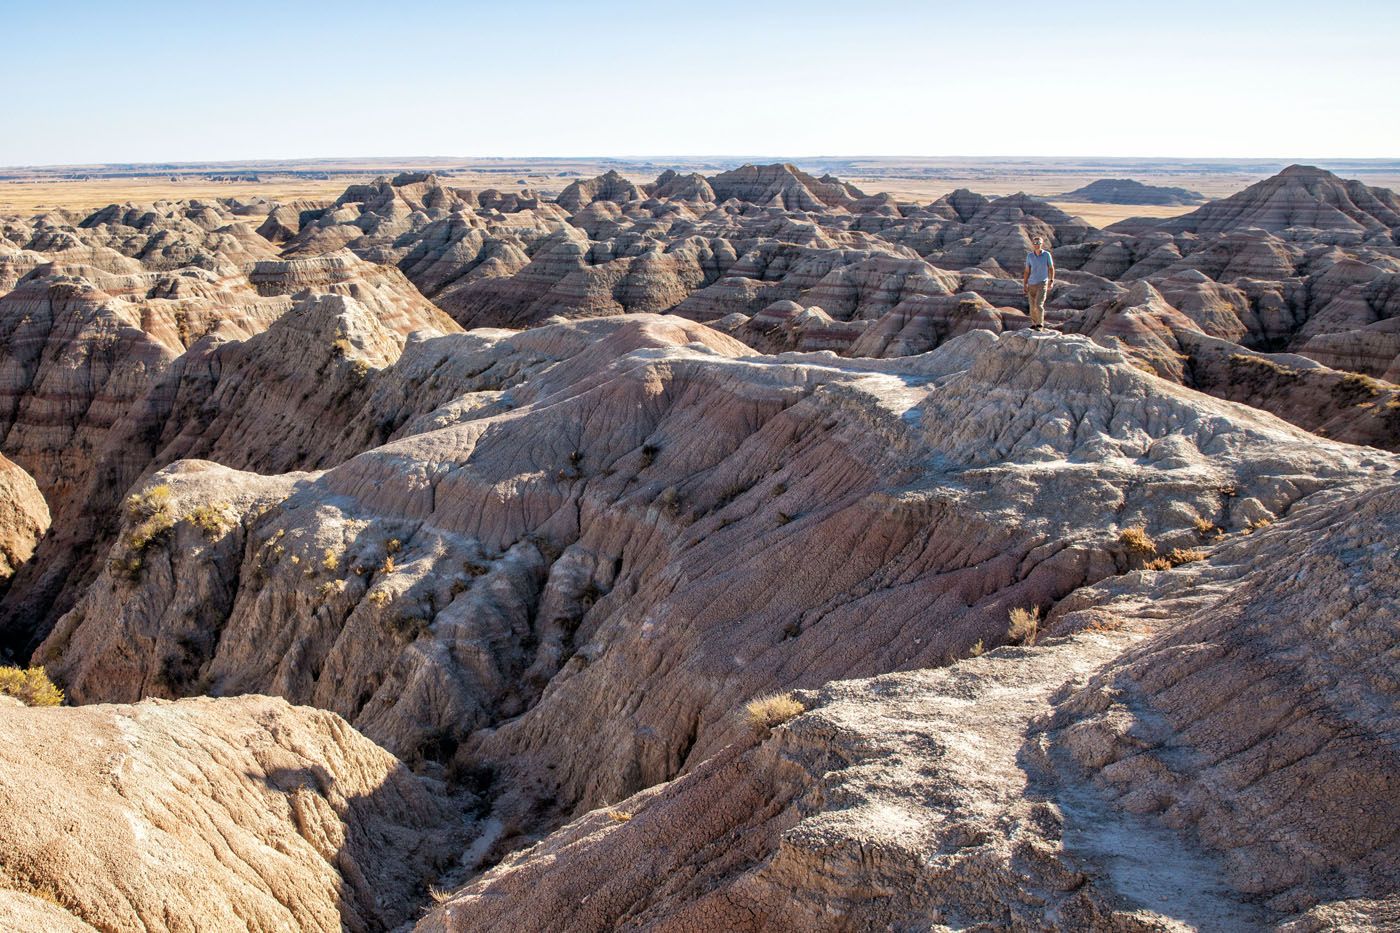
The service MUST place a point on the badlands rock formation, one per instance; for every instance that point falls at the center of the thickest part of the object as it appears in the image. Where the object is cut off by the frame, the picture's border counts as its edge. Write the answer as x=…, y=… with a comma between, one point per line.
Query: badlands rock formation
x=1302, y=262
x=1128, y=191
x=24, y=517
x=243, y=813
x=746, y=434
x=1045, y=787
x=1302, y=198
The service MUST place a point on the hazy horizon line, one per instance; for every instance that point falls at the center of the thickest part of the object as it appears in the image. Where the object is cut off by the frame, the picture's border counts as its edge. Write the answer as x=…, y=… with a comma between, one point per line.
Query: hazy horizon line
x=719, y=157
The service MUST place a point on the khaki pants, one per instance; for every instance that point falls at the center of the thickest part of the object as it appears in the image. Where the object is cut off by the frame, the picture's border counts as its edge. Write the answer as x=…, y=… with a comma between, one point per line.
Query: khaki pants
x=1036, y=293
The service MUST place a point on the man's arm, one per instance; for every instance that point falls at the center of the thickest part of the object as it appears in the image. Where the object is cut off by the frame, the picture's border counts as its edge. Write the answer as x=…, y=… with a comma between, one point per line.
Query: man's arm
x=1025, y=278
x=1050, y=277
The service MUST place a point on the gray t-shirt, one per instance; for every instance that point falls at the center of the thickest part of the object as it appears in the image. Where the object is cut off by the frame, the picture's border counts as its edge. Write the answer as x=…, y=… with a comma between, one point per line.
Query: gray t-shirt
x=1040, y=266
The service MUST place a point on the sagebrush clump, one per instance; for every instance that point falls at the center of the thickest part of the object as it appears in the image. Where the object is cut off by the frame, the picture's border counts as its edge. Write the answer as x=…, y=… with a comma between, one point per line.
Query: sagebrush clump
x=31, y=686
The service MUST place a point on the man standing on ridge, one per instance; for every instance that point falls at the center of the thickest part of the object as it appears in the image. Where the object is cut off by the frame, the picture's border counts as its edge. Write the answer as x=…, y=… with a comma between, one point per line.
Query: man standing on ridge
x=1037, y=280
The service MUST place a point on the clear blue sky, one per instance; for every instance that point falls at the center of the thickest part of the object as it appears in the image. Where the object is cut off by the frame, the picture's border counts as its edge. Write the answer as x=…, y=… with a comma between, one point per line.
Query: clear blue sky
x=144, y=81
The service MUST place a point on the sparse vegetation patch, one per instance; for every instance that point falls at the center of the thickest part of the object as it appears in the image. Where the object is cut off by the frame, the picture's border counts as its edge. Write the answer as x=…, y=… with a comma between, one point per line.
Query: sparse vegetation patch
x=1180, y=555
x=1138, y=542
x=31, y=686
x=765, y=712
x=212, y=518
x=1025, y=625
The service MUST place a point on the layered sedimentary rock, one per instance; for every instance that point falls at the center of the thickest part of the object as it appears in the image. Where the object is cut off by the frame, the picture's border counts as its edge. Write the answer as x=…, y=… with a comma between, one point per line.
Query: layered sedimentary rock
x=240, y=813
x=105, y=376
x=1197, y=755
x=740, y=241
x=1300, y=262
x=549, y=566
x=1300, y=197
x=490, y=593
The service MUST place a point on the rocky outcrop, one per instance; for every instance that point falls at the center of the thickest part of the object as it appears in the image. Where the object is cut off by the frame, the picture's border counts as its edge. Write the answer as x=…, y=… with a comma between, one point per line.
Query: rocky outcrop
x=216, y=814
x=609, y=187
x=785, y=186
x=1271, y=268
x=1128, y=191
x=105, y=377
x=24, y=517
x=1175, y=764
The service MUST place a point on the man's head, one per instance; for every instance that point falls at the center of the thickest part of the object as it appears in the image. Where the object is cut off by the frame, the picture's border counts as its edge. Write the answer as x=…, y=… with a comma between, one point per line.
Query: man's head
x=1037, y=243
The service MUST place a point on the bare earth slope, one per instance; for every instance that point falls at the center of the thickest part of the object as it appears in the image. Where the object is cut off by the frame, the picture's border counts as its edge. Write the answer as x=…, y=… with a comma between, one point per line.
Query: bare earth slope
x=211, y=814
x=1303, y=262
x=1179, y=766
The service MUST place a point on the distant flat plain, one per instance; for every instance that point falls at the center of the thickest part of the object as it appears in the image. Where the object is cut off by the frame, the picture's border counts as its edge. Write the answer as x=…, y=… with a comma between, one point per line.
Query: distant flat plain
x=29, y=190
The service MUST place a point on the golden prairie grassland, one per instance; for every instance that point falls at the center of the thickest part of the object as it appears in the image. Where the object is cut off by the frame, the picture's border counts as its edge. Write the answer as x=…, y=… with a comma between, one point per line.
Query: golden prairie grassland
x=42, y=190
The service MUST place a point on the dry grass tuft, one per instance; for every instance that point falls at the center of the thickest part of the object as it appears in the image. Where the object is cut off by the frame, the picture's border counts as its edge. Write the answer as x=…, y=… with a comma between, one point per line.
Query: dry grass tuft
x=1244, y=359
x=1360, y=382
x=1188, y=555
x=153, y=514
x=765, y=712
x=439, y=895
x=211, y=518
x=31, y=686
x=1257, y=524
x=619, y=816
x=977, y=649
x=1138, y=542
x=1204, y=526
x=1025, y=625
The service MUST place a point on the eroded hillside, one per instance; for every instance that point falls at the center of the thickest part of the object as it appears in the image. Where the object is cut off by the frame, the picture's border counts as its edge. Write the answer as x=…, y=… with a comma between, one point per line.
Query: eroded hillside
x=704, y=440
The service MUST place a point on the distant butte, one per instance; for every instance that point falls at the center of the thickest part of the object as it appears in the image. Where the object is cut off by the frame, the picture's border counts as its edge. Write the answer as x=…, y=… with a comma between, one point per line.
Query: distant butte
x=1127, y=191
